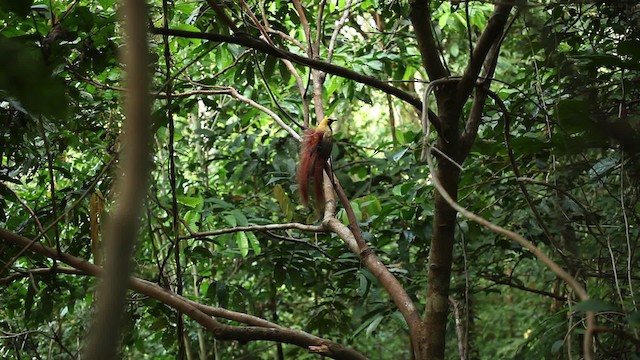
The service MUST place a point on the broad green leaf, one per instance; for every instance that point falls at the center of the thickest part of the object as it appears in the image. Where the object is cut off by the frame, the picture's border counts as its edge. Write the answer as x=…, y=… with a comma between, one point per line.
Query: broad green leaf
x=243, y=243
x=255, y=244
x=231, y=220
x=374, y=324
x=363, y=285
x=241, y=220
x=190, y=201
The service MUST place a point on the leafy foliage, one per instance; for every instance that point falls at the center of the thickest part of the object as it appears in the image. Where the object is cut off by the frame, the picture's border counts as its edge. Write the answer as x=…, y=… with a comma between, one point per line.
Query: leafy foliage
x=568, y=75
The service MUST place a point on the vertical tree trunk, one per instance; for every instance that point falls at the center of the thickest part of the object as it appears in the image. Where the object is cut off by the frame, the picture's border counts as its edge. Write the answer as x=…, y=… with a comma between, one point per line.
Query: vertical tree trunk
x=444, y=225
x=440, y=259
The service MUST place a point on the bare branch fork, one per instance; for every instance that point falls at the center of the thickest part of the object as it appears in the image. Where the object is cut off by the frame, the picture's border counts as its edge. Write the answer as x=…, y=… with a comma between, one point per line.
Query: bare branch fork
x=259, y=329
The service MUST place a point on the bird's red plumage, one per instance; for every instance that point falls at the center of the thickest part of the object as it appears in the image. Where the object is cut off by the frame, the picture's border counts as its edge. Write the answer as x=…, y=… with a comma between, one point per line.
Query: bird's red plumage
x=315, y=151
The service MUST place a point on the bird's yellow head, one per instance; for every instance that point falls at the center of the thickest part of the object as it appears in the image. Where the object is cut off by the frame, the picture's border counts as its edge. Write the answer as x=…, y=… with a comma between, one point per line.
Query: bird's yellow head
x=325, y=124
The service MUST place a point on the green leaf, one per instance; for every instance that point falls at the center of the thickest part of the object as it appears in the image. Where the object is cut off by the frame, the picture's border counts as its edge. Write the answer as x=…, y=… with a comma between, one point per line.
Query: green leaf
x=19, y=7
x=191, y=218
x=28, y=301
x=374, y=324
x=255, y=244
x=634, y=319
x=240, y=218
x=190, y=201
x=25, y=78
x=222, y=293
x=243, y=243
x=212, y=292
x=630, y=48
x=573, y=115
x=231, y=220
x=363, y=286
x=595, y=305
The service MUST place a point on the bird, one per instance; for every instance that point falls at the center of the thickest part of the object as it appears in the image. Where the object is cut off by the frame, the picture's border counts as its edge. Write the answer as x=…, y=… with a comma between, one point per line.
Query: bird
x=314, y=153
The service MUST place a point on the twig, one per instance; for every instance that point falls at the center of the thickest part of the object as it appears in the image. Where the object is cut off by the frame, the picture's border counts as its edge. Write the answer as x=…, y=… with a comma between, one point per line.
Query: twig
x=41, y=271
x=172, y=178
x=299, y=241
x=260, y=228
x=255, y=43
x=233, y=92
x=29, y=210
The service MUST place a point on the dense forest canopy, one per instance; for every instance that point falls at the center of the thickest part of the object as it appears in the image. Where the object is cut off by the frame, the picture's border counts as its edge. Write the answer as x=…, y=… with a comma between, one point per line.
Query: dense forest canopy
x=481, y=200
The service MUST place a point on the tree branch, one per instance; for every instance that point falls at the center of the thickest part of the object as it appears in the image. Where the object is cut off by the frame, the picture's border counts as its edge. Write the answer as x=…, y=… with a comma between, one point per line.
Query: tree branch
x=491, y=33
x=420, y=16
x=260, y=329
x=260, y=45
x=260, y=228
x=354, y=239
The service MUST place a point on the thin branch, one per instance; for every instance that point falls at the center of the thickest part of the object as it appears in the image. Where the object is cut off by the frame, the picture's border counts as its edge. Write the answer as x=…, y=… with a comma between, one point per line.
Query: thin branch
x=514, y=165
x=626, y=233
x=233, y=92
x=420, y=15
x=42, y=271
x=288, y=65
x=275, y=100
x=305, y=27
x=299, y=241
x=425, y=123
x=460, y=333
x=172, y=177
x=468, y=20
x=509, y=283
x=222, y=15
x=259, y=228
x=52, y=181
x=29, y=210
x=319, y=22
x=336, y=31
x=491, y=33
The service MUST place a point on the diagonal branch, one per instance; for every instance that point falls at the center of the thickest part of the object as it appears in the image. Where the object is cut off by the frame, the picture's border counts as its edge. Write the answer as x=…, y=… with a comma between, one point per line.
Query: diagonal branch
x=352, y=236
x=491, y=34
x=420, y=16
x=260, y=45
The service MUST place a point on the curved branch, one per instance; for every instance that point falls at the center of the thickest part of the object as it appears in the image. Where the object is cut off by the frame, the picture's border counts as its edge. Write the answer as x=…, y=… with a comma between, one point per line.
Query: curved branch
x=260, y=329
x=233, y=92
x=352, y=235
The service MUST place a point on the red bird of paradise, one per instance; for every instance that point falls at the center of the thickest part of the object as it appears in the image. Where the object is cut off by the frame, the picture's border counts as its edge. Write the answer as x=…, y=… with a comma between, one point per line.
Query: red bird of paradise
x=315, y=151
